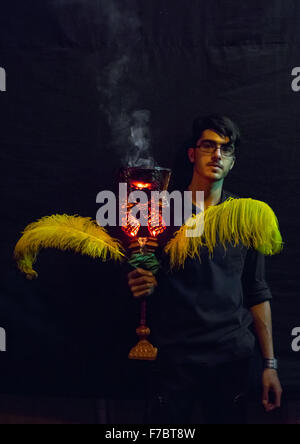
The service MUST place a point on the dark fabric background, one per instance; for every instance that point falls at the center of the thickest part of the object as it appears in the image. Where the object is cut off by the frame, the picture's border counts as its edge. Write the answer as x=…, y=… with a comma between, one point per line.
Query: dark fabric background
x=70, y=331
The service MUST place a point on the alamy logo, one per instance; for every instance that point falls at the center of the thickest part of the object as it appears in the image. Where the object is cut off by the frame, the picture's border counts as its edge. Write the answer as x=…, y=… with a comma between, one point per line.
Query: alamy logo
x=2, y=80
x=296, y=341
x=296, y=80
x=2, y=340
x=144, y=208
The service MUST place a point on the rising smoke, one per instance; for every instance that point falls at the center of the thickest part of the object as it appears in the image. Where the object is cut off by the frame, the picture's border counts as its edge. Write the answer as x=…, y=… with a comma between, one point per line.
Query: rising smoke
x=130, y=127
x=115, y=26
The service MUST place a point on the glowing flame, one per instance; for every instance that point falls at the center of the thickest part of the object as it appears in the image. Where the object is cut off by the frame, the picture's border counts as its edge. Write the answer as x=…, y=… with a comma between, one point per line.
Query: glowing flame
x=131, y=231
x=156, y=225
x=130, y=225
x=142, y=185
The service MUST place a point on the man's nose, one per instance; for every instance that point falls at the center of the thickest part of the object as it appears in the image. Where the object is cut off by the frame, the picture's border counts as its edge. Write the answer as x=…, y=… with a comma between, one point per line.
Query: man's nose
x=218, y=153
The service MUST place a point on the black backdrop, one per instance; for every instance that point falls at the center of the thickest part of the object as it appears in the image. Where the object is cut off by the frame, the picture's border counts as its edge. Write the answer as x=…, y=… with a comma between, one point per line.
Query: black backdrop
x=76, y=71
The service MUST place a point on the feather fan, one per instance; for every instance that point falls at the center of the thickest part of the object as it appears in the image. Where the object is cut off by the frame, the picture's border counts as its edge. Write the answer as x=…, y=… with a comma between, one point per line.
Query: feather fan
x=63, y=232
x=249, y=221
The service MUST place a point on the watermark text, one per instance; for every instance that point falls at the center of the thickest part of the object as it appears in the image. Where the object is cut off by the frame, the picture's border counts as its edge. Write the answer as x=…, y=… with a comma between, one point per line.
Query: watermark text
x=2, y=340
x=296, y=79
x=152, y=208
x=296, y=340
x=2, y=80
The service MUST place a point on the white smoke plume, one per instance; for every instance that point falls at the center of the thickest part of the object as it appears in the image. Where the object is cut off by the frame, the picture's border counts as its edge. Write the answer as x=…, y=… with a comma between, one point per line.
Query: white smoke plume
x=130, y=127
x=116, y=26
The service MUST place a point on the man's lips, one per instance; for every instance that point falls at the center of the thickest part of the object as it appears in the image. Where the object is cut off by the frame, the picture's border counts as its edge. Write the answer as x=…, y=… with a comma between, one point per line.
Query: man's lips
x=215, y=165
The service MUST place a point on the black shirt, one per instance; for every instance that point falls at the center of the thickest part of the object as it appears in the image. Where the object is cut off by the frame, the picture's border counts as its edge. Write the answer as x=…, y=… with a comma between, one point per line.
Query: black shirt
x=201, y=313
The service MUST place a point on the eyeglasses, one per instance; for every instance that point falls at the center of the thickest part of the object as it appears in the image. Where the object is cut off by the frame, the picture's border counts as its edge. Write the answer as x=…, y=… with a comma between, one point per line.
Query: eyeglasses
x=210, y=146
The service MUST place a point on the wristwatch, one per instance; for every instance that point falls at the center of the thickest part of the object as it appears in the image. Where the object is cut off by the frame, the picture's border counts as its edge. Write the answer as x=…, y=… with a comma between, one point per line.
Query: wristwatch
x=271, y=364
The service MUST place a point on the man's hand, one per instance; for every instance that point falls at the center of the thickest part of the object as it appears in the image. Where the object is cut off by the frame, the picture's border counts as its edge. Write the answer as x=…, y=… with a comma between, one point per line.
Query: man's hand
x=271, y=388
x=141, y=282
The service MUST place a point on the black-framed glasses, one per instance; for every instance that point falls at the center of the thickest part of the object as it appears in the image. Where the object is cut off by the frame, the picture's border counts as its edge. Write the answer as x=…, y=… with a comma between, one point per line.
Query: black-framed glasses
x=210, y=146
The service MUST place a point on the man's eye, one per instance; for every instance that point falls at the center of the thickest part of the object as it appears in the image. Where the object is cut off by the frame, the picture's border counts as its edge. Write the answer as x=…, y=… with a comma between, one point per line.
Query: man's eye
x=207, y=145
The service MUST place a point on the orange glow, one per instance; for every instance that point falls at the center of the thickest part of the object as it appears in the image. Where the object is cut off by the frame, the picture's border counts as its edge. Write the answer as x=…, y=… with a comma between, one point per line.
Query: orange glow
x=131, y=226
x=142, y=185
x=131, y=231
x=156, y=226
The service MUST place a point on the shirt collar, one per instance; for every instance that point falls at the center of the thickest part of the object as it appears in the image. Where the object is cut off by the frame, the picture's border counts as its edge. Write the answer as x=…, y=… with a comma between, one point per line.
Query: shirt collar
x=224, y=196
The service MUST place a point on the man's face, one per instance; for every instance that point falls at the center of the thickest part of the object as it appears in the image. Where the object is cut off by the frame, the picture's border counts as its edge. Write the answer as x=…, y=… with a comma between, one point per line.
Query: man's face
x=204, y=158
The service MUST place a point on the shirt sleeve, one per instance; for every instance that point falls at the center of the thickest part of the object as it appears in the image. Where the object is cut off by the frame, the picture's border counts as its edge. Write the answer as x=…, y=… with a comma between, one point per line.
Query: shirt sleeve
x=255, y=288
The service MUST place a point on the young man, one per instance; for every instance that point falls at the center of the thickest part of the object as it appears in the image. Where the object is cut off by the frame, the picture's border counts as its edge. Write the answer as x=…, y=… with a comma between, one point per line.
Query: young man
x=201, y=315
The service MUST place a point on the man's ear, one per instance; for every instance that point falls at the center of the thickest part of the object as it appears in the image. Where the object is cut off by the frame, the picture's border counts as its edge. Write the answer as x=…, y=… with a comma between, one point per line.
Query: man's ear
x=233, y=163
x=191, y=155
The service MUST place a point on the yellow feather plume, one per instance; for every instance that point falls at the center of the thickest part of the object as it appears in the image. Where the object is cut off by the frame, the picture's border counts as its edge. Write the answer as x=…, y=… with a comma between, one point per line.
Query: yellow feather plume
x=249, y=221
x=64, y=232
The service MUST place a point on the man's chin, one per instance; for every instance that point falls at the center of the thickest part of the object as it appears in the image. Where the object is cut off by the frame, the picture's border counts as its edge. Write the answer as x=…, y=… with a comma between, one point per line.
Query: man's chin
x=218, y=175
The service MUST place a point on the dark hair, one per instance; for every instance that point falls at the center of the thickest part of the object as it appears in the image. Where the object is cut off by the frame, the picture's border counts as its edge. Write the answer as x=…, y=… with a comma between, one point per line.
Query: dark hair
x=182, y=167
x=222, y=125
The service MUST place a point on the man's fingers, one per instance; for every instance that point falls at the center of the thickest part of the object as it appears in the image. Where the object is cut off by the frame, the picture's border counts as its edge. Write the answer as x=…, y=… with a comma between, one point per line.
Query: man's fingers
x=145, y=272
x=272, y=391
x=270, y=406
x=138, y=272
x=142, y=281
x=278, y=396
x=265, y=399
